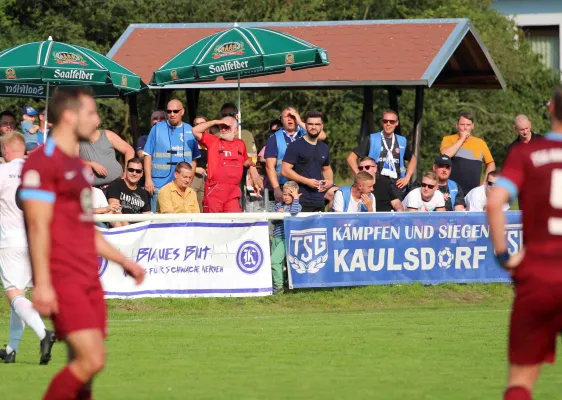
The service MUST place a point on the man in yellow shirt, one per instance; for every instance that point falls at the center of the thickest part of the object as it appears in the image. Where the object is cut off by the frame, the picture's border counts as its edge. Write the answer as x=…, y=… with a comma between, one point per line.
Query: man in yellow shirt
x=468, y=153
x=177, y=197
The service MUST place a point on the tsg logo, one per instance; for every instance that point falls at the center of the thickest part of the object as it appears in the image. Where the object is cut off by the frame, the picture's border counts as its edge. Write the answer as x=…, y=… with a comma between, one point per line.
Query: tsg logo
x=102, y=266
x=308, y=250
x=249, y=257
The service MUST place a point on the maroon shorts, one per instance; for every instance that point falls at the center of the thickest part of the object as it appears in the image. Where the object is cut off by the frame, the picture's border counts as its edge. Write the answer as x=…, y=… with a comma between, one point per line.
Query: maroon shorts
x=536, y=322
x=79, y=308
x=221, y=198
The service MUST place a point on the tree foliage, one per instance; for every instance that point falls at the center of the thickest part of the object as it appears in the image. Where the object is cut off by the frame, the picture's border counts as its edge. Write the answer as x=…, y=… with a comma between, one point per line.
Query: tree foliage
x=98, y=24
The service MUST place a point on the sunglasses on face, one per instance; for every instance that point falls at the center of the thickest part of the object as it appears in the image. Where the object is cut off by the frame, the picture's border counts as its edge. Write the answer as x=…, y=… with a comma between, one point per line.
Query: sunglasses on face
x=228, y=114
x=174, y=111
x=389, y=121
x=365, y=167
x=427, y=185
x=131, y=170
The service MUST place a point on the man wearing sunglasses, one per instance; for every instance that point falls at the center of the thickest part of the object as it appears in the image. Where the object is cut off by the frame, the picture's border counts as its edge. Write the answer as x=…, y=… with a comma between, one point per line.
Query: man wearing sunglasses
x=391, y=152
x=226, y=159
x=230, y=110
x=426, y=197
x=169, y=142
x=385, y=197
x=126, y=193
x=476, y=199
x=453, y=193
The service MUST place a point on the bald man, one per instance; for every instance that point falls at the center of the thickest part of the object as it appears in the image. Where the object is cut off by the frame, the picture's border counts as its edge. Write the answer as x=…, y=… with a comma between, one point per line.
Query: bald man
x=226, y=159
x=169, y=142
x=522, y=125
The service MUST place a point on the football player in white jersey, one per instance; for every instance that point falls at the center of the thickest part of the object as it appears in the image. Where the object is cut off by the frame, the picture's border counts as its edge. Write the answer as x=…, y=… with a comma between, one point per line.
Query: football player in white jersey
x=15, y=268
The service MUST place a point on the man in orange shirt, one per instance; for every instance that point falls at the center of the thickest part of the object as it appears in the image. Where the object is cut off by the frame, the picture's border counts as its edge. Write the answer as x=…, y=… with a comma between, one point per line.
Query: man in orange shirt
x=467, y=153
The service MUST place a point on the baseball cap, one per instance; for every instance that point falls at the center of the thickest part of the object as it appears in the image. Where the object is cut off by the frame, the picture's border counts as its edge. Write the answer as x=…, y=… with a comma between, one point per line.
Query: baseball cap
x=28, y=110
x=443, y=159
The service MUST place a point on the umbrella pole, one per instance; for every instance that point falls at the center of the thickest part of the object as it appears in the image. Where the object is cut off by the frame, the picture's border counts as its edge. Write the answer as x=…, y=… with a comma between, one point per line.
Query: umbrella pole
x=239, y=113
x=46, y=115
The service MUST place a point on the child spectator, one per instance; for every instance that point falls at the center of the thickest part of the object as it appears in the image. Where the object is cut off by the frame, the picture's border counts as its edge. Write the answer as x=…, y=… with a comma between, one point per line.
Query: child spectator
x=290, y=204
x=28, y=127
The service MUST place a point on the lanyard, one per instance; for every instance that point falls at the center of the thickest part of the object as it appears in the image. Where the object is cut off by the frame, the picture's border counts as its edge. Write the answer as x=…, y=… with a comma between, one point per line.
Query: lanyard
x=389, y=151
x=292, y=138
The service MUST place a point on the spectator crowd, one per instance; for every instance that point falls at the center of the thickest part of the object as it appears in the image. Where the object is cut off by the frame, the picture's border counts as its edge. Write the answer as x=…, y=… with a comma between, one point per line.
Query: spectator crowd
x=213, y=166
x=205, y=167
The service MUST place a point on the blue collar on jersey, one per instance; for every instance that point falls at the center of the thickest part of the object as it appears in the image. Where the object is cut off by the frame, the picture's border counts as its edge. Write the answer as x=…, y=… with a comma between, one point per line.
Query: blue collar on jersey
x=557, y=136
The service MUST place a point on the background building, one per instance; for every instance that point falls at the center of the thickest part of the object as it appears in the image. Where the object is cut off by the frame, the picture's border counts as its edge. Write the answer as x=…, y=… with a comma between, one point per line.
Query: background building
x=541, y=21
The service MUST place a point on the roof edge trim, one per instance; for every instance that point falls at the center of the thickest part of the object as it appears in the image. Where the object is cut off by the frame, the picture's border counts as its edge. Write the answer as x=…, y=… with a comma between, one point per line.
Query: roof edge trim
x=286, y=85
x=446, y=52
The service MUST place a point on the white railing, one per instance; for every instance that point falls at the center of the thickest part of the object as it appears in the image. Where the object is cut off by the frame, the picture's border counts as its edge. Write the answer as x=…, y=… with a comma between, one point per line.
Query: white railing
x=195, y=217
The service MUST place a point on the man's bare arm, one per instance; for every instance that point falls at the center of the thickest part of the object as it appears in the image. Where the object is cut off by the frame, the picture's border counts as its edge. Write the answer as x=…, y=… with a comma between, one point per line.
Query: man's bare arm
x=204, y=127
x=38, y=217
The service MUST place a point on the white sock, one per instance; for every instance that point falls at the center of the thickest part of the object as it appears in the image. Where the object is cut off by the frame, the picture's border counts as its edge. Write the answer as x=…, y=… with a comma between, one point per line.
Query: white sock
x=23, y=307
x=16, y=332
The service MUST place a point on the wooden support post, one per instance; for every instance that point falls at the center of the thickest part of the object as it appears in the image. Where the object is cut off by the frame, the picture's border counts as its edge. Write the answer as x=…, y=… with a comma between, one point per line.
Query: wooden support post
x=134, y=117
x=162, y=97
x=367, y=118
x=192, y=103
x=393, y=94
x=418, y=119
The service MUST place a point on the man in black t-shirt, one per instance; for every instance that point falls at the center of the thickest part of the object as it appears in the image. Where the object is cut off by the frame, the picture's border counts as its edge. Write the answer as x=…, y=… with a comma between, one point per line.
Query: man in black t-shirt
x=391, y=167
x=127, y=194
x=307, y=162
x=385, y=197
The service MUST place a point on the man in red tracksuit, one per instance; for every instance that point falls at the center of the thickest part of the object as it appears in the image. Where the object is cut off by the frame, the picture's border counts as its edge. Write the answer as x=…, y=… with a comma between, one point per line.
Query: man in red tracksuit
x=226, y=159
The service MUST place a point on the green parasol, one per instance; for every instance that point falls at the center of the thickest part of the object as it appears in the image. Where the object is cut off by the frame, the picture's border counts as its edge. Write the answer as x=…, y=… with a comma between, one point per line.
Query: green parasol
x=239, y=53
x=29, y=70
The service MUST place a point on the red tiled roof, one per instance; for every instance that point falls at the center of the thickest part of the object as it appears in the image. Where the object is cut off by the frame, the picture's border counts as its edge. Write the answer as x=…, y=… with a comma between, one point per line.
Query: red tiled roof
x=400, y=53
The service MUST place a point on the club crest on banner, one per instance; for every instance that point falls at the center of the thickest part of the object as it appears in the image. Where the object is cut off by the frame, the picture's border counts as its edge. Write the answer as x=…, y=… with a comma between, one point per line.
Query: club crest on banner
x=289, y=58
x=249, y=257
x=308, y=250
x=174, y=75
x=124, y=80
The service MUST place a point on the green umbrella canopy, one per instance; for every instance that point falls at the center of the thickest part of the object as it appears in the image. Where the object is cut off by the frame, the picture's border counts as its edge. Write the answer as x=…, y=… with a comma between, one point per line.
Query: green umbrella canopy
x=247, y=52
x=26, y=69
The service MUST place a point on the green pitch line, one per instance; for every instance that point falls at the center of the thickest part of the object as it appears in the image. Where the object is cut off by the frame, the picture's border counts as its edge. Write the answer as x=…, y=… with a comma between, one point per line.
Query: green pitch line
x=402, y=342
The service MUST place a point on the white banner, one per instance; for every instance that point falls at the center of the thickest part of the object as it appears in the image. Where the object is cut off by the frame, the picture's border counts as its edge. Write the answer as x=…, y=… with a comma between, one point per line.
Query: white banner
x=191, y=259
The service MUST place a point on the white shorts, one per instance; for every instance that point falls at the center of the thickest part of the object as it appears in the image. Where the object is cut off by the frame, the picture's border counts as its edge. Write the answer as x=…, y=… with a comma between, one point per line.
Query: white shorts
x=15, y=268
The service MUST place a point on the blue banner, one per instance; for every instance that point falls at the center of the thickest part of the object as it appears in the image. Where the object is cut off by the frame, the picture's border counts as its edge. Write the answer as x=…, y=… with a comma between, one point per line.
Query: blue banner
x=370, y=249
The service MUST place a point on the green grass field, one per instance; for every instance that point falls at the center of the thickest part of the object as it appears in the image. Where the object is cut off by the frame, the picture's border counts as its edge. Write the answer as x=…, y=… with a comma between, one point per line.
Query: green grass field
x=391, y=342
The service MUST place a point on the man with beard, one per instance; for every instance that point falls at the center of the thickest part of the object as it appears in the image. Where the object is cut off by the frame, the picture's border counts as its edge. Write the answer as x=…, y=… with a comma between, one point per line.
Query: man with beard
x=307, y=162
x=226, y=159
x=64, y=245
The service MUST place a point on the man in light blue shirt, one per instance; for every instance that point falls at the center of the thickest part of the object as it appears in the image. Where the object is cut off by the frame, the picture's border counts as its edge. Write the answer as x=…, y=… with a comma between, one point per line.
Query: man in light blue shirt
x=169, y=142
